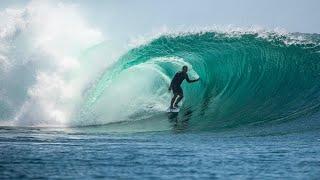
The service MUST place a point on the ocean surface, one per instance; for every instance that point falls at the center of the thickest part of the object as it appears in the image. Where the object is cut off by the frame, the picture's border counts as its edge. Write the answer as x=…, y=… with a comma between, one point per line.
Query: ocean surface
x=29, y=153
x=75, y=106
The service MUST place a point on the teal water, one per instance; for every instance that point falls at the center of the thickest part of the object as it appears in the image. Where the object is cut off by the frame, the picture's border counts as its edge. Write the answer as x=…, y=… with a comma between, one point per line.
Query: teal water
x=246, y=79
x=254, y=114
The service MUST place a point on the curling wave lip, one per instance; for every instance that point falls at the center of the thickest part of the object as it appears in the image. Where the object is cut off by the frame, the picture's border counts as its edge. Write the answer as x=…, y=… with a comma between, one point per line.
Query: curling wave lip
x=247, y=79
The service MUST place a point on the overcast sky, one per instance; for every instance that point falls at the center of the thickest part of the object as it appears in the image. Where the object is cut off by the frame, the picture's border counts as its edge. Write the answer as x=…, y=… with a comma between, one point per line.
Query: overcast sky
x=127, y=18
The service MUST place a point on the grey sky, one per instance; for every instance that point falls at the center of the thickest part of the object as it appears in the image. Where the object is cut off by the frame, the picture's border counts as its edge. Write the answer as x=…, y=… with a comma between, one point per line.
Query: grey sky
x=127, y=18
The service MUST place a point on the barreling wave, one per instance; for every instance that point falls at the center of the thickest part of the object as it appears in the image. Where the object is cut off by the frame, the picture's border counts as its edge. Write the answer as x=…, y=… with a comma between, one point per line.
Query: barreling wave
x=246, y=78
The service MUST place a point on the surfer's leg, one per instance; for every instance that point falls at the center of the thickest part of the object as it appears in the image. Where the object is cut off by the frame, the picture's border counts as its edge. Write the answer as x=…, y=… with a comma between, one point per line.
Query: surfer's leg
x=178, y=100
x=180, y=93
x=173, y=100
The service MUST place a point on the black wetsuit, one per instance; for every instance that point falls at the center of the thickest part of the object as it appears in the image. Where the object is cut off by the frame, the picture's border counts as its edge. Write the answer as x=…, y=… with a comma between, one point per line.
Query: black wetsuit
x=176, y=82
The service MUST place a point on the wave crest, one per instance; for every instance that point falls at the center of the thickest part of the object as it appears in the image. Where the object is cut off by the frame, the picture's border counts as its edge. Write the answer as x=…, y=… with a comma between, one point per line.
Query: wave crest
x=245, y=79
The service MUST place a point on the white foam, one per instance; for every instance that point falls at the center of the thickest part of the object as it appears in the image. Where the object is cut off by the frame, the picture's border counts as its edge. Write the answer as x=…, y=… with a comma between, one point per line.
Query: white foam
x=226, y=31
x=55, y=35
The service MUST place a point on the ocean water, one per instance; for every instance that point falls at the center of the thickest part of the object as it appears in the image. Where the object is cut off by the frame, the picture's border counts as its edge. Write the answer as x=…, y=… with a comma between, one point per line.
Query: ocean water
x=30, y=153
x=75, y=106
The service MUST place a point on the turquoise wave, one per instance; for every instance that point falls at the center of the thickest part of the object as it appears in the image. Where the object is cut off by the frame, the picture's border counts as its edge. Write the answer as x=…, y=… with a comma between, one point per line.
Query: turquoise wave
x=246, y=78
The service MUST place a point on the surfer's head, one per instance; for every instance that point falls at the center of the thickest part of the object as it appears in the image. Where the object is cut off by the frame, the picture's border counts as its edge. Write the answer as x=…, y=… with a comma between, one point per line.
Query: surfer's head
x=185, y=69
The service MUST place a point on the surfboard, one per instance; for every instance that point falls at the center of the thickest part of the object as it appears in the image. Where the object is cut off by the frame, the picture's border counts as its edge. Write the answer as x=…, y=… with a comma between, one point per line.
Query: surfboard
x=175, y=110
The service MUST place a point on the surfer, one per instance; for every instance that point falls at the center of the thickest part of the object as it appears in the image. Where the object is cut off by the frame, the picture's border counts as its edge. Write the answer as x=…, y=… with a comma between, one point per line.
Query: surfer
x=175, y=86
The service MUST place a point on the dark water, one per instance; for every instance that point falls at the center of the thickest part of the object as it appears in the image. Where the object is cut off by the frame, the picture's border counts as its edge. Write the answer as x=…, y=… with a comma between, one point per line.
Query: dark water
x=86, y=153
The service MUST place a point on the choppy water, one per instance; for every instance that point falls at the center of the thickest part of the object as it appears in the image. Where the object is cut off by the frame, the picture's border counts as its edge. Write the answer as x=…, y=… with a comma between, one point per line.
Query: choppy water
x=86, y=153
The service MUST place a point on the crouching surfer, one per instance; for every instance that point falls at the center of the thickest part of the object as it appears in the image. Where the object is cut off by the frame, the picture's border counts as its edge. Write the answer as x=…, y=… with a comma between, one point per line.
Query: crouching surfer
x=175, y=86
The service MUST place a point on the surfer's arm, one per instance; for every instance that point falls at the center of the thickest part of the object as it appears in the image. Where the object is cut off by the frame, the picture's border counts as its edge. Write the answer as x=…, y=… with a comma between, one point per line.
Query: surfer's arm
x=191, y=81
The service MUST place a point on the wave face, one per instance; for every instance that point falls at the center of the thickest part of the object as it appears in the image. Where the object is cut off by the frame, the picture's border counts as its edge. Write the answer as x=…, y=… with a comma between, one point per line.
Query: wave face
x=246, y=78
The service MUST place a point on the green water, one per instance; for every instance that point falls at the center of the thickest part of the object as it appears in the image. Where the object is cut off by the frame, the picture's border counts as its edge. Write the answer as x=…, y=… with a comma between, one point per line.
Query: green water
x=246, y=79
